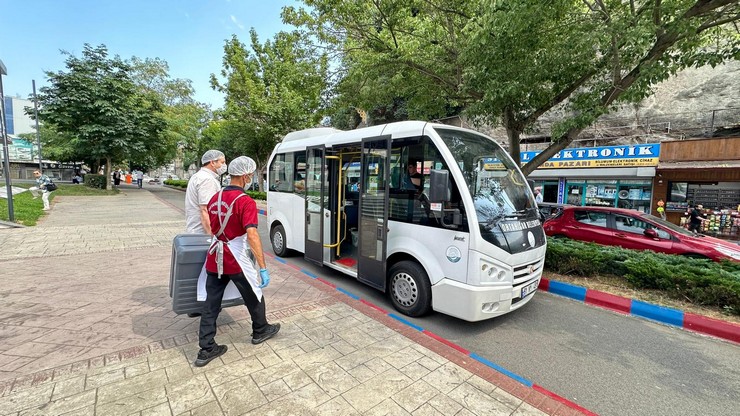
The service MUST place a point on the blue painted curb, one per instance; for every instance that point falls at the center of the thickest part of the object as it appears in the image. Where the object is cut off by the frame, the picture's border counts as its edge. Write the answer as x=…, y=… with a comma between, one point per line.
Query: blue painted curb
x=568, y=290
x=657, y=313
x=399, y=319
x=348, y=293
x=501, y=369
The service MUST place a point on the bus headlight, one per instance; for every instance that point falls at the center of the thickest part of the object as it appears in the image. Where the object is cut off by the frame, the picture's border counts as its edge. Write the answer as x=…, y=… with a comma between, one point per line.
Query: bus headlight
x=491, y=273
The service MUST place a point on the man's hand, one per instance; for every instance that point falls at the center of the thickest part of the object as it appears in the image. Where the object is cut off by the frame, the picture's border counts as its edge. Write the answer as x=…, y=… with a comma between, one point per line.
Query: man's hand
x=265, y=276
x=205, y=220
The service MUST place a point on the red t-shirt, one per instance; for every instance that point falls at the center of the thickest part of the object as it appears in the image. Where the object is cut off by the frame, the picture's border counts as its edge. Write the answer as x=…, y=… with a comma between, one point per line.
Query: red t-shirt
x=243, y=216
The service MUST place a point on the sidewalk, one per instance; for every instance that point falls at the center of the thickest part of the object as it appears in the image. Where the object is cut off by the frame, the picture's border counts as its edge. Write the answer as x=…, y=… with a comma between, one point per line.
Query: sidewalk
x=87, y=328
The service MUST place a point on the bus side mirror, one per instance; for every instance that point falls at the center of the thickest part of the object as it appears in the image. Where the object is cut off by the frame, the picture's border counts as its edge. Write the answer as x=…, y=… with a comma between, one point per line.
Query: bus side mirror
x=439, y=185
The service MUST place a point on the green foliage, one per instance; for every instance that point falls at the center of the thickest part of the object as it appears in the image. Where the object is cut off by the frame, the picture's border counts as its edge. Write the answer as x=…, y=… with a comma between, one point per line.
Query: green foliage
x=510, y=62
x=271, y=89
x=95, y=181
x=698, y=280
x=180, y=183
x=100, y=114
x=257, y=195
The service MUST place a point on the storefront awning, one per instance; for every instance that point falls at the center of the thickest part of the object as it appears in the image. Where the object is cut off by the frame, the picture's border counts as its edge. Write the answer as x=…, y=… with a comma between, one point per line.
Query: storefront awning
x=618, y=173
x=714, y=164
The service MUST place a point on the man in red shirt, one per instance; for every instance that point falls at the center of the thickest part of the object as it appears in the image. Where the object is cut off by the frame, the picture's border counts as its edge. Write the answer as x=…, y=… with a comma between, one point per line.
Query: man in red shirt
x=233, y=217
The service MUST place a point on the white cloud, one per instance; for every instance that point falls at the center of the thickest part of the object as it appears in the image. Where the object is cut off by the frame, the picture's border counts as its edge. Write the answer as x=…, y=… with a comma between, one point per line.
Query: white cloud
x=237, y=22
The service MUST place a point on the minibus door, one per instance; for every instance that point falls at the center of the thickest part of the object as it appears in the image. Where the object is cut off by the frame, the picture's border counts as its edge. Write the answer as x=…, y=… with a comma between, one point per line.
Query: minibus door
x=373, y=218
x=316, y=202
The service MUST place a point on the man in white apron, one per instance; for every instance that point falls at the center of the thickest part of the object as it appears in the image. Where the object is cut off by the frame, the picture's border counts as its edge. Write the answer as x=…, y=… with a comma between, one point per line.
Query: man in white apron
x=201, y=188
x=233, y=219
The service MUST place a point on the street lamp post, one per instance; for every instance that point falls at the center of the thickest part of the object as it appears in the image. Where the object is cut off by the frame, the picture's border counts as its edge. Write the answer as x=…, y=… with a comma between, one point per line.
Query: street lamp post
x=36, y=116
x=6, y=158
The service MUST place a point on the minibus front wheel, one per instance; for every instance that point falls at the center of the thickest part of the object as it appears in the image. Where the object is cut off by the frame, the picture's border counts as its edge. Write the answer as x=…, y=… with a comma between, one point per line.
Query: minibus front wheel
x=410, y=290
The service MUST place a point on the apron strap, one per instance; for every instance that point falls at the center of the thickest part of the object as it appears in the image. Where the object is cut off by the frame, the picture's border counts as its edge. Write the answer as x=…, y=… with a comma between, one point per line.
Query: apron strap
x=217, y=245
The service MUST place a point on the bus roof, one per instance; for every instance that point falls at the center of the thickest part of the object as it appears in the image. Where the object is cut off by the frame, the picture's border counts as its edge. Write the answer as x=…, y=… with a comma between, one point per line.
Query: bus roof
x=329, y=136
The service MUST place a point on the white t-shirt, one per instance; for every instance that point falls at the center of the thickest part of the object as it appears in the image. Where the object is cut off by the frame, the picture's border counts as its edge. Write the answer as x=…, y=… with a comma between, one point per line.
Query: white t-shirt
x=201, y=188
x=139, y=175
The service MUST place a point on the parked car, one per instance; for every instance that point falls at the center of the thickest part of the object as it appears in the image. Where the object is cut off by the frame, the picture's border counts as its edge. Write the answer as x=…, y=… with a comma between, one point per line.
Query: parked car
x=550, y=209
x=636, y=230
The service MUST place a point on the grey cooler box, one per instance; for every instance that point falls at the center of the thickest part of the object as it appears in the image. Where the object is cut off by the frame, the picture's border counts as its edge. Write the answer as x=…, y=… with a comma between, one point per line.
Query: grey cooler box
x=188, y=255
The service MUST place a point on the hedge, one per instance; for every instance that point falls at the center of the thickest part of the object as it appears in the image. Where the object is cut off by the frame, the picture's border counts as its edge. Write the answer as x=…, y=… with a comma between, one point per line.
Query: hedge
x=184, y=184
x=701, y=281
x=95, y=181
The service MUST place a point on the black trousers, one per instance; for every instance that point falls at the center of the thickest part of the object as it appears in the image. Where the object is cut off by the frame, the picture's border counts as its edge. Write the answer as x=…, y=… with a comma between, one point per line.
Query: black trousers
x=215, y=292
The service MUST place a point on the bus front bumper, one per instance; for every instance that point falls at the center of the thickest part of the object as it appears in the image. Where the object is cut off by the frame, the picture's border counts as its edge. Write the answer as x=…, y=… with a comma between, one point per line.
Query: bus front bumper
x=477, y=303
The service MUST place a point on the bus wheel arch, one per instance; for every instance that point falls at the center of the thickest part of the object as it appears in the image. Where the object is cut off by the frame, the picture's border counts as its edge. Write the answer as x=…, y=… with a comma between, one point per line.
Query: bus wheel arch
x=278, y=240
x=409, y=287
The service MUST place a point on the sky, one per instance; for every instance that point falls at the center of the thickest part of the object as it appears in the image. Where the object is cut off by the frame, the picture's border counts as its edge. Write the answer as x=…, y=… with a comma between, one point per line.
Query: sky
x=188, y=34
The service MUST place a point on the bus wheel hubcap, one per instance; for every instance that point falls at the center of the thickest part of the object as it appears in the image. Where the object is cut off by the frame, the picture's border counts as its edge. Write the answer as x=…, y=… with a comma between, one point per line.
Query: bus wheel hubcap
x=277, y=241
x=404, y=289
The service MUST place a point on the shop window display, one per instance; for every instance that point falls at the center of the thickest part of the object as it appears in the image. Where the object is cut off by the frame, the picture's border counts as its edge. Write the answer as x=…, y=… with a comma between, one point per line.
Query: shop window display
x=721, y=203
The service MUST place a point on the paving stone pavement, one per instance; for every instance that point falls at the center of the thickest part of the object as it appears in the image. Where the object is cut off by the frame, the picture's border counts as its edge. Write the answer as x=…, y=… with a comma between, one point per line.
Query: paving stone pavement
x=88, y=329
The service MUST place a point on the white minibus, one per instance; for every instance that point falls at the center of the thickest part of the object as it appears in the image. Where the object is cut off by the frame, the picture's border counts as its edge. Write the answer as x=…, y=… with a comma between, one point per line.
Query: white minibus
x=439, y=217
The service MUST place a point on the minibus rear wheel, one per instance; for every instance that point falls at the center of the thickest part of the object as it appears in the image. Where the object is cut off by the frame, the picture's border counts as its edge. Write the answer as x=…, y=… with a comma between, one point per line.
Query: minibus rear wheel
x=277, y=238
x=409, y=288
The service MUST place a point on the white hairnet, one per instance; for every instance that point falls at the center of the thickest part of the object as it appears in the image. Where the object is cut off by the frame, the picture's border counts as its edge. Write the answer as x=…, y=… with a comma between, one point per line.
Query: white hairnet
x=241, y=166
x=211, y=155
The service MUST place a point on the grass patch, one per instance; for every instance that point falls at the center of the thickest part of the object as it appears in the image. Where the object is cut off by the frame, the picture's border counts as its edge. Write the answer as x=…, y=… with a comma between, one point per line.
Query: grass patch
x=28, y=210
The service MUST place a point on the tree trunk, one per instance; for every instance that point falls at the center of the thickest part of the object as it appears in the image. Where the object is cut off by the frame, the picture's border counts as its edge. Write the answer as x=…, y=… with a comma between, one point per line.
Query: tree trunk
x=513, y=132
x=107, y=171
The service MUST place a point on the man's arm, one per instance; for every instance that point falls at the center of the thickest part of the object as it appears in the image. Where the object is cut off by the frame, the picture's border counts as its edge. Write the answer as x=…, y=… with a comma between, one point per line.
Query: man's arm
x=205, y=220
x=255, y=243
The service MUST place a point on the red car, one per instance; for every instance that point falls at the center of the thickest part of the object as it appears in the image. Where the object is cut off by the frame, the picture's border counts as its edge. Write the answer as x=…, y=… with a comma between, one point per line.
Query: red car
x=636, y=230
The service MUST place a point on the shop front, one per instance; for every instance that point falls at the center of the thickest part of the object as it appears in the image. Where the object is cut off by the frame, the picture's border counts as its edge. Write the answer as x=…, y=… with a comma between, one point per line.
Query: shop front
x=610, y=176
x=701, y=171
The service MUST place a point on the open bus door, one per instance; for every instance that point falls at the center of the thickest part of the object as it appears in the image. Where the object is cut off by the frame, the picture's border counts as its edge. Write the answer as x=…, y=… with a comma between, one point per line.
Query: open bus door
x=373, y=218
x=316, y=201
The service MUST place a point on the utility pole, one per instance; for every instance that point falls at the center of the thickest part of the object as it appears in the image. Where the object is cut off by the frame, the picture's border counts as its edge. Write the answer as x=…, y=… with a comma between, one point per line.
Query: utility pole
x=36, y=116
x=6, y=157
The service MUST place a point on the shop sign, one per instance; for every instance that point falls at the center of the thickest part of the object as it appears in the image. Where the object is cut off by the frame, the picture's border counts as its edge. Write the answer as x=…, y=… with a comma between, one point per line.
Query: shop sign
x=600, y=157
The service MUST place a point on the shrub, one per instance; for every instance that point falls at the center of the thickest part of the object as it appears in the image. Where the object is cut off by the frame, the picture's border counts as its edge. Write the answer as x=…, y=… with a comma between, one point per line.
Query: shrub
x=257, y=195
x=95, y=181
x=698, y=280
x=180, y=183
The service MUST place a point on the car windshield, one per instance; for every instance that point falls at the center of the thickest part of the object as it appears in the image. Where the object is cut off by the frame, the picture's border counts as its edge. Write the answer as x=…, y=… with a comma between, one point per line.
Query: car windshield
x=499, y=190
x=671, y=226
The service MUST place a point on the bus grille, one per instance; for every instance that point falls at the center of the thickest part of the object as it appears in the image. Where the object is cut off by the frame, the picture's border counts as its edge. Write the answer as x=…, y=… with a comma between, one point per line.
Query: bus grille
x=527, y=272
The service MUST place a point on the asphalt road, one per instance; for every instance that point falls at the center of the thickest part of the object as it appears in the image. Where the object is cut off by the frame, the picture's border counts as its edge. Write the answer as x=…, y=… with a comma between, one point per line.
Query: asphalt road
x=607, y=362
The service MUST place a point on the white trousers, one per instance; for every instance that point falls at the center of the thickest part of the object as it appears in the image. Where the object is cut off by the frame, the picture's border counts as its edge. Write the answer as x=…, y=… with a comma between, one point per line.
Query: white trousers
x=44, y=195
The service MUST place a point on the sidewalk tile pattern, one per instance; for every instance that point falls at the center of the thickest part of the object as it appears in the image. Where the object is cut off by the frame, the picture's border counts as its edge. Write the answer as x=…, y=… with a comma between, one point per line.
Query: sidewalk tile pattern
x=88, y=329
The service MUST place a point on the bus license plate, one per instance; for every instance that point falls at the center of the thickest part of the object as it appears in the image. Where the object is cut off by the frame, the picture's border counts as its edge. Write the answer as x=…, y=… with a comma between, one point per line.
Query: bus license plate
x=530, y=288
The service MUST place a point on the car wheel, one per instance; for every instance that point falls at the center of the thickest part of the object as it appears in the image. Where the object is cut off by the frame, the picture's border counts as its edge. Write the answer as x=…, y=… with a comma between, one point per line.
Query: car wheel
x=410, y=290
x=278, y=240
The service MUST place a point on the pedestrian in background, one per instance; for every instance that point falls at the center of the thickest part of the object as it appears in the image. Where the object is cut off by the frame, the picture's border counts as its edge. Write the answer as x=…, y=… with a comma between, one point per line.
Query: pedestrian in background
x=696, y=217
x=233, y=218
x=116, y=178
x=139, y=178
x=538, y=195
x=41, y=183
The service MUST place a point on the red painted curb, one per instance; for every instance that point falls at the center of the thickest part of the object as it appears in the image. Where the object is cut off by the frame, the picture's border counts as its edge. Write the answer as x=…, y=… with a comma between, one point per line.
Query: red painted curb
x=715, y=327
x=608, y=301
x=326, y=283
x=563, y=400
x=446, y=342
x=374, y=306
x=544, y=285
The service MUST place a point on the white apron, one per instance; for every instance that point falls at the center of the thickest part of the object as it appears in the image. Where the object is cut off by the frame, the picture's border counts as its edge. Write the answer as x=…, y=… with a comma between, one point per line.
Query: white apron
x=238, y=247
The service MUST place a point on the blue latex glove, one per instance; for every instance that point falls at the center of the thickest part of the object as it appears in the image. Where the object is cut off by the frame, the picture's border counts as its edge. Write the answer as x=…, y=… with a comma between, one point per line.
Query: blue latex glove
x=265, y=275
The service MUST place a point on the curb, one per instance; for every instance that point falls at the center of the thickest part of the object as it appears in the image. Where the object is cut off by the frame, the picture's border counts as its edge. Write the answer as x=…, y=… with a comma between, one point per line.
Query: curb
x=413, y=328
x=669, y=316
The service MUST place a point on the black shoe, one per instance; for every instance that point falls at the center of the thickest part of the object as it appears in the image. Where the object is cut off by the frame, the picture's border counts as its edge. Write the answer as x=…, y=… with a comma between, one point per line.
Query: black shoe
x=205, y=357
x=193, y=314
x=269, y=333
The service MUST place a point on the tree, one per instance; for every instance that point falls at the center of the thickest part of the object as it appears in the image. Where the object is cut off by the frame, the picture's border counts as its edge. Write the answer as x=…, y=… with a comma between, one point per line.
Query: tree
x=510, y=62
x=185, y=117
x=102, y=112
x=271, y=89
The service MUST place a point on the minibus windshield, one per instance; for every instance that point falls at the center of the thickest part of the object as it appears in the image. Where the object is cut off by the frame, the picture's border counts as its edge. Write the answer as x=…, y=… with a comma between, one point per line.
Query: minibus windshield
x=500, y=192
